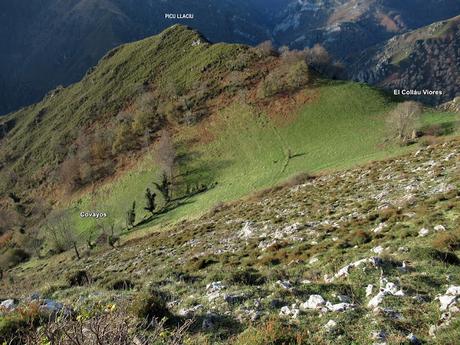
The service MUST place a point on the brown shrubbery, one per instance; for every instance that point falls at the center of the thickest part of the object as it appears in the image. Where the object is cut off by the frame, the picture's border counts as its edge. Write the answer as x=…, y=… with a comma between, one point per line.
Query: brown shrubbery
x=107, y=328
x=287, y=77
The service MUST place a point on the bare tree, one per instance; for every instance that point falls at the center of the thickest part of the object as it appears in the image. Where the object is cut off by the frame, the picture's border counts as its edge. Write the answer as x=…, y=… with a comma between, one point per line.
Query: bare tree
x=402, y=121
x=166, y=153
x=61, y=232
x=317, y=56
x=266, y=48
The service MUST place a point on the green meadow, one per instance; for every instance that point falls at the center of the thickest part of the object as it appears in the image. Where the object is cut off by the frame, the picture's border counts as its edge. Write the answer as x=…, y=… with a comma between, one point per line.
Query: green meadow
x=246, y=152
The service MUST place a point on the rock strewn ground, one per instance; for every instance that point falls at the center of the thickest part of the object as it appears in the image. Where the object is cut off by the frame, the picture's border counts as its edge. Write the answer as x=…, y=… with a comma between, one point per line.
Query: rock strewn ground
x=357, y=255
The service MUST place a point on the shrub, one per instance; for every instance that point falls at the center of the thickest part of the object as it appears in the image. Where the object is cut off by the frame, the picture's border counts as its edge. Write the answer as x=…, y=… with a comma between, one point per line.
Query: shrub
x=13, y=257
x=359, y=237
x=119, y=284
x=149, y=306
x=426, y=253
x=78, y=278
x=124, y=139
x=266, y=48
x=287, y=77
x=110, y=328
x=447, y=241
x=248, y=276
x=11, y=327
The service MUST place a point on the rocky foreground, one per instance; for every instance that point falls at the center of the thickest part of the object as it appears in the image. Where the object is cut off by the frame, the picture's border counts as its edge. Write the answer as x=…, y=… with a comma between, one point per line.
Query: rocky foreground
x=368, y=255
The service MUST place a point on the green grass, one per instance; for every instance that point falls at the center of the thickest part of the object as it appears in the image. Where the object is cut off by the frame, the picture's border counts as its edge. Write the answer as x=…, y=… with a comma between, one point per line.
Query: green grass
x=343, y=127
x=45, y=132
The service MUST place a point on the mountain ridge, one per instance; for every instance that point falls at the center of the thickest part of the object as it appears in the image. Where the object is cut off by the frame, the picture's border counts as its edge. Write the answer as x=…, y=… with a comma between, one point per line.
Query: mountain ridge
x=58, y=46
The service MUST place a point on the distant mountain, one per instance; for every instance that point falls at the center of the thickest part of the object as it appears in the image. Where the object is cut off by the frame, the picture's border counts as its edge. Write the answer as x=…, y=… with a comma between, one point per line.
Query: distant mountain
x=347, y=26
x=46, y=43
x=427, y=58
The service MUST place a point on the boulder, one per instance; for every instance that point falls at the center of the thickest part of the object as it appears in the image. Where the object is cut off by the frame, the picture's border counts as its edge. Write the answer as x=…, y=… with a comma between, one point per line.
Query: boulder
x=313, y=302
x=8, y=304
x=339, y=307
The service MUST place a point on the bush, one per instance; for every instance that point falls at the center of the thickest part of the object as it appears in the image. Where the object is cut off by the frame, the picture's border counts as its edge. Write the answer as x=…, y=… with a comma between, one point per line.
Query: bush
x=124, y=139
x=287, y=77
x=78, y=278
x=119, y=284
x=13, y=326
x=13, y=257
x=359, y=237
x=149, y=306
x=447, y=241
x=248, y=276
x=425, y=253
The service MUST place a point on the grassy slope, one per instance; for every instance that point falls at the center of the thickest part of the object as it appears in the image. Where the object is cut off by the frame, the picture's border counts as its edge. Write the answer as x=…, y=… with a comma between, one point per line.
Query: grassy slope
x=42, y=131
x=330, y=218
x=246, y=151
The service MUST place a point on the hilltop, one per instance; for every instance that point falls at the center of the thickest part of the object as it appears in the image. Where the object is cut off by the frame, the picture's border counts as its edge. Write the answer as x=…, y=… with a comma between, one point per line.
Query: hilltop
x=57, y=41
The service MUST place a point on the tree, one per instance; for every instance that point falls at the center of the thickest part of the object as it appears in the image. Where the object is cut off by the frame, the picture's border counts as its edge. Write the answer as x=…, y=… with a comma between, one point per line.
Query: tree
x=402, y=121
x=150, y=201
x=166, y=153
x=61, y=232
x=131, y=216
x=164, y=187
x=266, y=48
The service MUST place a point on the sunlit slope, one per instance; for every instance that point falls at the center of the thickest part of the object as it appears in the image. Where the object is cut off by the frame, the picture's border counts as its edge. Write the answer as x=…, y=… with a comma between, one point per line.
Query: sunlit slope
x=242, y=150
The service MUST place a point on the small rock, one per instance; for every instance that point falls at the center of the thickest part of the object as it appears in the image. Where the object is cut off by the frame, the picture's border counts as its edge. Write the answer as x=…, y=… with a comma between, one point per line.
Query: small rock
x=453, y=290
x=379, y=228
x=190, y=311
x=285, y=284
x=208, y=322
x=291, y=312
x=330, y=326
x=9, y=304
x=214, y=287
x=314, y=302
x=439, y=228
x=247, y=230
x=234, y=299
x=339, y=306
x=369, y=289
x=446, y=301
x=344, y=298
x=423, y=232
x=376, y=300
x=432, y=330
x=413, y=339
x=378, y=250
x=379, y=335
x=313, y=260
